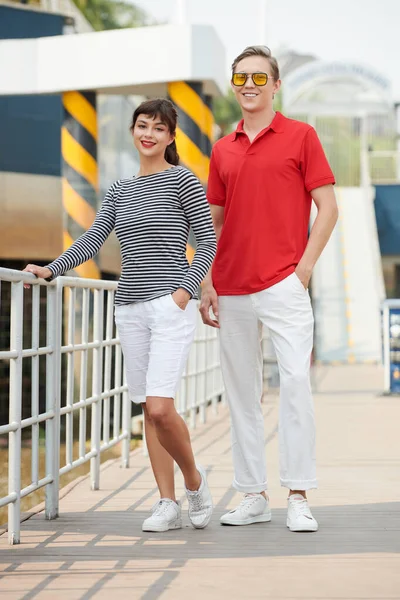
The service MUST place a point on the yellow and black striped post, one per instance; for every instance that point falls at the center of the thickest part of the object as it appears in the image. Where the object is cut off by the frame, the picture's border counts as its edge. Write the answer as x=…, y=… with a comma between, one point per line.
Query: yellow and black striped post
x=80, y=173
x=193, y=124
x=194, y=131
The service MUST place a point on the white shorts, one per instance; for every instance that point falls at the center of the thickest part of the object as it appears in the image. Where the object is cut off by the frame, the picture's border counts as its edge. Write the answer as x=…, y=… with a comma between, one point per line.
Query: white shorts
x=155, y=339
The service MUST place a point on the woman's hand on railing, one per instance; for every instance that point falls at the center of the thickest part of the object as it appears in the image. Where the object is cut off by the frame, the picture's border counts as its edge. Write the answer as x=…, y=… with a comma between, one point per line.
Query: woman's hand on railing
x=42, y=272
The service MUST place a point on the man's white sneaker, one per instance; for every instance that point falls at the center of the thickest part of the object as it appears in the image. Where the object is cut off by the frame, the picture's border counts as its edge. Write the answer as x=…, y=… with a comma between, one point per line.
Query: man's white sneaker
x=200, y=503
x=254, y=508
x=299, y=517
x=166, y=515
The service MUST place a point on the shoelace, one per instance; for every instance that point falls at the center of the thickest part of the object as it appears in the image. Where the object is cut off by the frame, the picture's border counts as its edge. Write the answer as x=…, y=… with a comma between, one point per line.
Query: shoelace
x=160, y=507
x=248, y=500
x=302, y=509
x=195, y=501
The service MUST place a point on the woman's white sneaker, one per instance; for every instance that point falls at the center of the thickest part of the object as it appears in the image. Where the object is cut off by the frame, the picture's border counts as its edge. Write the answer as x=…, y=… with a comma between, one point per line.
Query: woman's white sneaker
x=166, y=514
x=200, y=503
x=299, y=517
x=254, y=508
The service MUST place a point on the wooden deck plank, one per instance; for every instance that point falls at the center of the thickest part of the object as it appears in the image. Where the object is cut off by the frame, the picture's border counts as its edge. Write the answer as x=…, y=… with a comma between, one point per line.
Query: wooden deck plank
x=96, y=548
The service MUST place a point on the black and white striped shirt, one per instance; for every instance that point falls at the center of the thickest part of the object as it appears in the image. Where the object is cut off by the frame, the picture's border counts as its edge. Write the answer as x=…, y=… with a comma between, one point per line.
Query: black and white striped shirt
x=151, y=215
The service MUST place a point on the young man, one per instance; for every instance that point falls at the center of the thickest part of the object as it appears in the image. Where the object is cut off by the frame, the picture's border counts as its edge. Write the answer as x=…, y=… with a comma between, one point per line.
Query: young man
x=262, y=179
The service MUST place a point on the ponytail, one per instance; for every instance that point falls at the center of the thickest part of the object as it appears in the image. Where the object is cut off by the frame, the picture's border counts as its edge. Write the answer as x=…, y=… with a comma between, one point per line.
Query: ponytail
x=171, y=154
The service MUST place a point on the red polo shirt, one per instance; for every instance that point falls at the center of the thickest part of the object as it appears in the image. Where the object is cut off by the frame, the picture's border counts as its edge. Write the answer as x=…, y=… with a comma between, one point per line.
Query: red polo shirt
x=265, y=189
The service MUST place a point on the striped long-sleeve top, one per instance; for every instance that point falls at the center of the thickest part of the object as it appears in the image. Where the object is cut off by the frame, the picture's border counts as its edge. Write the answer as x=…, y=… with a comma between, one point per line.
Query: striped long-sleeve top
x=151, y=216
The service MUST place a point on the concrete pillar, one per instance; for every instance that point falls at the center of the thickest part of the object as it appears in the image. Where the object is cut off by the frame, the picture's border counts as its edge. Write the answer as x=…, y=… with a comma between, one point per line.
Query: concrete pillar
x=194, y=132
x=80, y=172
x=189, y=102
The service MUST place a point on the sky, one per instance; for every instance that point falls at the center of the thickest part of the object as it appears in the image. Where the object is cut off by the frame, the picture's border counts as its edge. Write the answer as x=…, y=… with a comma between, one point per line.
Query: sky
x=365, y=31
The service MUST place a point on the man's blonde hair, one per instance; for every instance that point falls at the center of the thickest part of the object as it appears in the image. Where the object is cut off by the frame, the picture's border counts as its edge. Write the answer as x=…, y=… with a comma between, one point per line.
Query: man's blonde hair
x=263, y=51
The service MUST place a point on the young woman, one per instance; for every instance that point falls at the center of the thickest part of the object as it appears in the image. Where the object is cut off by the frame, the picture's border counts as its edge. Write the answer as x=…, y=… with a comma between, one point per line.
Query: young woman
x=155, y=308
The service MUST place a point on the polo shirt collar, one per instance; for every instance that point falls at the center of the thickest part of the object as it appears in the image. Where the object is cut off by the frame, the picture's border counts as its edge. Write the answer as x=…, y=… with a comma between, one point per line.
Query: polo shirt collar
x=277, y=125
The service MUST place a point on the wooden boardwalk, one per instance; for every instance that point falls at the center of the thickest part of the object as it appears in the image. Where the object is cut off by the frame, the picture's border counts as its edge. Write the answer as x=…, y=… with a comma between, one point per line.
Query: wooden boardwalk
x=96, y=549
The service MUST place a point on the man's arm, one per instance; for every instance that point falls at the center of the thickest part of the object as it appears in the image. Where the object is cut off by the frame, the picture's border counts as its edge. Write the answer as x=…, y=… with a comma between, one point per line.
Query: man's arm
x=209, y=296
x=324, y=198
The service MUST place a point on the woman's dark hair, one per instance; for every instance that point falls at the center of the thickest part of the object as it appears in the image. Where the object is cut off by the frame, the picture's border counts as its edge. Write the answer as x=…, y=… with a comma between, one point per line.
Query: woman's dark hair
x=166, y=112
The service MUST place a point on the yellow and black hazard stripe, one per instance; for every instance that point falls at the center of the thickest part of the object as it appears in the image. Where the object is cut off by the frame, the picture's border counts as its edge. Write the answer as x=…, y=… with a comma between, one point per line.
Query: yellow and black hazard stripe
x=195, y=125
x=194, y=134
x=80, y=171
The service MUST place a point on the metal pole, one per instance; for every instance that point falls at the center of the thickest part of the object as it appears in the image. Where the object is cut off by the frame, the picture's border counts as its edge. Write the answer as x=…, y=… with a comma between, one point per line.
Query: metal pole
x=126, y=429
x=180, y=12
x=397, y=120
x=53, y=397
x=35, y=382
x=14, y=450
x=364, y=175
x=386, y=349
x=263, y=31
x=96, y=389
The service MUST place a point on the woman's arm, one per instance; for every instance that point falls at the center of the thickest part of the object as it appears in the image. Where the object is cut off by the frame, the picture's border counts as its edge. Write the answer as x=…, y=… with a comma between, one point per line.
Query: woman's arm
x=197, y=210
x=87, y=245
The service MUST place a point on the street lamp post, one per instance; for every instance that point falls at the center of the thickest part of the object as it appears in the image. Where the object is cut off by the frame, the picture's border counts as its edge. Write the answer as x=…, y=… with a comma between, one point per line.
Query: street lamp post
x=263, y=31
x=180, y=12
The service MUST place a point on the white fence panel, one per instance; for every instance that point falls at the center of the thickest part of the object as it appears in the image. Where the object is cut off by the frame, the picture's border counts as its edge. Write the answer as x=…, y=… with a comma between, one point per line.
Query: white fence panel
x=81, y=348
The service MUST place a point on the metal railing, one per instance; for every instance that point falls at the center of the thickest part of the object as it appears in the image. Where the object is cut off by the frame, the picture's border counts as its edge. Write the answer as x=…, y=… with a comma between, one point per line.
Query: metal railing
x=384, y=166
x=80, y=346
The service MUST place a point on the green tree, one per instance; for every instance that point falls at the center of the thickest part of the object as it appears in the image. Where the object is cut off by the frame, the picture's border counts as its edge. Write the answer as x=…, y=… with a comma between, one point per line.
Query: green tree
x=111, y=14
x=278, y=101
x=226, y=112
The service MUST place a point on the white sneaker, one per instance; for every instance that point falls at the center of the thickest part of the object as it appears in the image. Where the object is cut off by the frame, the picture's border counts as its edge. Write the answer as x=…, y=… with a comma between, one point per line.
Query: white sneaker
x=200, y=503
x=254, y=508
x=166, y=515
x=299, y=517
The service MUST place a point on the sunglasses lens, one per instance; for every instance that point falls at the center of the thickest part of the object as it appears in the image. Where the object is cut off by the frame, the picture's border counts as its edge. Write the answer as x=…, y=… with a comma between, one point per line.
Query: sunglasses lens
x=260, y=78
x=239, y=78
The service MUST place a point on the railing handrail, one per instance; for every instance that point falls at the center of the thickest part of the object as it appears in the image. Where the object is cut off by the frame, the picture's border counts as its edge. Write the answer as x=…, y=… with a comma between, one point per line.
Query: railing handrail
x=384, y=153
x=12, y=275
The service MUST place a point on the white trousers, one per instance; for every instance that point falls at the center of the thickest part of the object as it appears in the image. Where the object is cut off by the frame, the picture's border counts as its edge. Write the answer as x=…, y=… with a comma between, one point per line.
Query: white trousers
x=155, y=337
x=285, y=309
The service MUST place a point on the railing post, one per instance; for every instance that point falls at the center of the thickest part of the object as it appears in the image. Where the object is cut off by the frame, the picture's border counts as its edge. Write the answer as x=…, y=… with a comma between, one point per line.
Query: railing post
x=212, y=371
x=192, y=382
x=224, y=401
x=126, y=429
x=53, y=396
x=201, y=362
x=107, y=366
x=14, y=450
x=96, y=388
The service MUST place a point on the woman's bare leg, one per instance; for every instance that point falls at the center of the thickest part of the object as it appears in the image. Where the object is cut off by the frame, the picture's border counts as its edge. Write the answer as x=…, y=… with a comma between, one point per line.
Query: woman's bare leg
x=161, y=461
x=173, y=435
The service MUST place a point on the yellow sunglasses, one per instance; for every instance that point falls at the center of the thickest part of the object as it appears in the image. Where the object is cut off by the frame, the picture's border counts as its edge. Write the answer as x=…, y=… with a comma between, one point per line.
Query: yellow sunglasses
x=240, y=79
